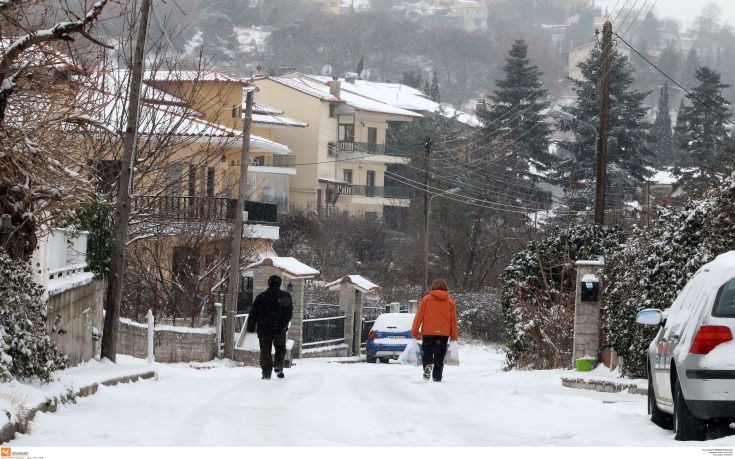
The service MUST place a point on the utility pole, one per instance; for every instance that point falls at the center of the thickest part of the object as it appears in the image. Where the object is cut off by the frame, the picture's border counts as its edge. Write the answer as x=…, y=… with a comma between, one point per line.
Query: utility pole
x=427, y=153
x=113, y=298
x=601, y=181
x=236, y=244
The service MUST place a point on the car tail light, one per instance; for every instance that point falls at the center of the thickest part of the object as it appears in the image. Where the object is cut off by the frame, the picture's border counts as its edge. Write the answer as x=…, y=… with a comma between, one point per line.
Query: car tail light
x=708, y=337
x=372, y=335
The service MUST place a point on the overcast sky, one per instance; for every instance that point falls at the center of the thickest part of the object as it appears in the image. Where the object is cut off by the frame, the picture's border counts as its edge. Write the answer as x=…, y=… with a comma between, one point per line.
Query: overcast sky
x=682, y=10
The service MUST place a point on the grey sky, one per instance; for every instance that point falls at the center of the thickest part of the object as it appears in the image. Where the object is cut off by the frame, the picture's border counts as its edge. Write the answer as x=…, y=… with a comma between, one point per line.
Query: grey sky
x=682, y=10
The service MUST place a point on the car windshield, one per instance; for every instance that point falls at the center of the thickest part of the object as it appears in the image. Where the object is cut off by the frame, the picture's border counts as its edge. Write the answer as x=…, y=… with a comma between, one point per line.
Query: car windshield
x=725, y=302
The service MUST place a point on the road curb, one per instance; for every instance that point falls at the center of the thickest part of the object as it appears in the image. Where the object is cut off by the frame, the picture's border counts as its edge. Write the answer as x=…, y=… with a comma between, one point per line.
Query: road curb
x=602, y=386
x=8, y=431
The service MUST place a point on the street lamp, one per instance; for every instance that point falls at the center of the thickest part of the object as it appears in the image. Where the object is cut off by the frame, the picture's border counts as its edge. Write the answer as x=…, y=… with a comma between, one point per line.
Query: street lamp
x=426, y=233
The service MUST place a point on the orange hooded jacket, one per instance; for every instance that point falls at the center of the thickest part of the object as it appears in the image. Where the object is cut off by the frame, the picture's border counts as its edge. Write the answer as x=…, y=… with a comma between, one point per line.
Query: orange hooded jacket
x=437, y=316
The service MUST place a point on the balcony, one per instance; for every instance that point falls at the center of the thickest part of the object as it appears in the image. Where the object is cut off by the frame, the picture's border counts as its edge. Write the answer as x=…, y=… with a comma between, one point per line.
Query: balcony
x=273, y=161
x=389, y=192
x=202, y=209
x=364, y=148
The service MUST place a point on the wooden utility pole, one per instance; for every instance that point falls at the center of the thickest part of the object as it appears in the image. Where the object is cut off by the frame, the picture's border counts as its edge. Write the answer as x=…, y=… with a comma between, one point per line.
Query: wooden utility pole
x=601, y=181
x=427, y=153
x=236, y=244
x=113, y=298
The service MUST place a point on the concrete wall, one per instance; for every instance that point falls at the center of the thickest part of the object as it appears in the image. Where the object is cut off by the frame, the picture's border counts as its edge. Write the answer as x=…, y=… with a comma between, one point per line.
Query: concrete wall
x=78, y=311
x=168, y=346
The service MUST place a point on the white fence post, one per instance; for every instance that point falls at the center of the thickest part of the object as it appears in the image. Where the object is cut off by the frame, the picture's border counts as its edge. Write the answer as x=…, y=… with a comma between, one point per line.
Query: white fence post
x=218, y=328
x=413, y=306
x=150, y=337
x=395, y=307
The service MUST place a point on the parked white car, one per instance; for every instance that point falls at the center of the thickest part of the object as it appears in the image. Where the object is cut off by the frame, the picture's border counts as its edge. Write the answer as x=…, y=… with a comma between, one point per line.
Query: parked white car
x=691, y=361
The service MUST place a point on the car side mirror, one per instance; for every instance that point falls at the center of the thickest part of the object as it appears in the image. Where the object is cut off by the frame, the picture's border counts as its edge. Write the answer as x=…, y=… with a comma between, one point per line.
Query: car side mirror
x=650, y=317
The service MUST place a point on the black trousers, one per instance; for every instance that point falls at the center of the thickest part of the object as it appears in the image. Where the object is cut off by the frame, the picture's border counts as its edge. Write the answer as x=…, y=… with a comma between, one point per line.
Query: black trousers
x=434, y=349
x=266, y=359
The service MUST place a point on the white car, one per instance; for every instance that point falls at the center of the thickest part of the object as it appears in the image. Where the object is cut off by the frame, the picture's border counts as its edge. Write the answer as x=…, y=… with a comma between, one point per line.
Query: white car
x=691, y=361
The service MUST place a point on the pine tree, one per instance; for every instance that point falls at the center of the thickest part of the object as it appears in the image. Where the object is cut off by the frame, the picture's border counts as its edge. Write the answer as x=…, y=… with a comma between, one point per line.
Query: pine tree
x=689, y=69
x=662, y=135
x=703, y=134
x=514, y=123
x=629, y=141
x=678, y=137
x=431, y=89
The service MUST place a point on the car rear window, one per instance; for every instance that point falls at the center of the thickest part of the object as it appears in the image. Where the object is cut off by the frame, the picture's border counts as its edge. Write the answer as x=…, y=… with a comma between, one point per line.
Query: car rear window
x=725, y=302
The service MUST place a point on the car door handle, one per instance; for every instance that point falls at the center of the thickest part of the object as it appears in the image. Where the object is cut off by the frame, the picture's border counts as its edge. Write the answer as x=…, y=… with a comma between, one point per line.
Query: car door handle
x=675, y=338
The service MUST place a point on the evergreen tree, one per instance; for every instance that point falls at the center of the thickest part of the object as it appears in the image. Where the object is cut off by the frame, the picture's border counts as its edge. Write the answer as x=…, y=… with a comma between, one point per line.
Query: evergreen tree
x=629, y=141
x=514, y=123
x=431, y=89
x=670, y=58
x=689, y=69
x=703, y=133
x=662, y=135
x=26, y=350
x=678, y=137
x=412, y=79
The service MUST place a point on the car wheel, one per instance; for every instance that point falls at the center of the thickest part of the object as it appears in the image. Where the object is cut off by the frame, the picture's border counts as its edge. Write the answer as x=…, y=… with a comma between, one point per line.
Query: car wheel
x=384, y=360
x=371, y=359
x=658, y=417
x=687, y=427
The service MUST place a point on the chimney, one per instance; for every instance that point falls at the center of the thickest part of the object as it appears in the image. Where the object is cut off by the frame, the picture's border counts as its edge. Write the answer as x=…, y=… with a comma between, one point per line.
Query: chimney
x=334, y=87
x=480, y=105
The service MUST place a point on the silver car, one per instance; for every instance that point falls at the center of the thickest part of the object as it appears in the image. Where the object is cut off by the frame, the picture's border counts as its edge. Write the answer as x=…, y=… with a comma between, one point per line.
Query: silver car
x=691, y=361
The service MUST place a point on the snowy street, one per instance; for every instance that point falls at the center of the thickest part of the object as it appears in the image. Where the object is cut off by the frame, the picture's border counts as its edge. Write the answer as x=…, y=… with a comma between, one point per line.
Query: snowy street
x=325, y=403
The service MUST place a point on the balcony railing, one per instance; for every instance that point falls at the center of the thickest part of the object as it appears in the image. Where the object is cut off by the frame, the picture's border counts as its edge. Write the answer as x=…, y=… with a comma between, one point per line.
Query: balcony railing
x=273, y=161
x=388, y=192
x=364, y=148
x=195, y=208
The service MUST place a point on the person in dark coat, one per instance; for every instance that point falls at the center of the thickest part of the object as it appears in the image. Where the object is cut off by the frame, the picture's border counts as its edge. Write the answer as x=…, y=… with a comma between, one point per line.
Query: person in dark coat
x=270, y=316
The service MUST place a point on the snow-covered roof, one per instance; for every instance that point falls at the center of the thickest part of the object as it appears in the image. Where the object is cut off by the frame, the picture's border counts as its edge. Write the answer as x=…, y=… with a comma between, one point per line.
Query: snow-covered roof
x=662, y=177
x=316, y=86
x=41, y=55
x=190, y=75
x=290, y=266
x=358, y=281
x=401, y=96
x=277, y=120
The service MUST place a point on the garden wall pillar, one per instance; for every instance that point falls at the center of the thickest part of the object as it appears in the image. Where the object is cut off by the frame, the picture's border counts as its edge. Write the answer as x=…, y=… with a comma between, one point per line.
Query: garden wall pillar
x=587, y=306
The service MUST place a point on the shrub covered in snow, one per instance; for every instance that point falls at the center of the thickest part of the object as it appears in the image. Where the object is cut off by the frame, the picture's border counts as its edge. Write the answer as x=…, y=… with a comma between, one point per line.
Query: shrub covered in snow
x=26, y=350
x=538, y=294
x=480, y=316
x=656, y=263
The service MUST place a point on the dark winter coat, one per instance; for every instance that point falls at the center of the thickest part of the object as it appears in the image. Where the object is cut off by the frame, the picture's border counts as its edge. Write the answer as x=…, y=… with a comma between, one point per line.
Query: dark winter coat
x=270, y=314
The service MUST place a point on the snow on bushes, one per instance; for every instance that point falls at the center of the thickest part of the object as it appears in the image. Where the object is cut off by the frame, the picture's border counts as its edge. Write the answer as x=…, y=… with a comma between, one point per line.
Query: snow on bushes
x=26, y=350
x=538, y=294
x=656, y=263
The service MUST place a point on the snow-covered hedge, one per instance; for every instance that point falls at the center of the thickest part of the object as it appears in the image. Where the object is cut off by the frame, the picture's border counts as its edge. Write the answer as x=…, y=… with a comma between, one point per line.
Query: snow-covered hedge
x=480, y=316
x=656, y=263
x=538, y=294
x=26, y=350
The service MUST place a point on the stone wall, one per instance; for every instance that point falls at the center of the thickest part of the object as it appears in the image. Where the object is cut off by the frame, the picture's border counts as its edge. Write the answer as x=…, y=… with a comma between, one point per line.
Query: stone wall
x=586, y=316
x=76, y=313
x=169, y=345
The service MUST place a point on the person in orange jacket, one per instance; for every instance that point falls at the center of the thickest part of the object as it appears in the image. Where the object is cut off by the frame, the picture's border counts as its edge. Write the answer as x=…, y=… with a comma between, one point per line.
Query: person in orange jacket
x=436, y=323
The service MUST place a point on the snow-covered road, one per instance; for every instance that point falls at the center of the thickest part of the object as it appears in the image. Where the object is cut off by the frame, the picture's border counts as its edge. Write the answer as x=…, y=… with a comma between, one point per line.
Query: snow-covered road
x=352, y=404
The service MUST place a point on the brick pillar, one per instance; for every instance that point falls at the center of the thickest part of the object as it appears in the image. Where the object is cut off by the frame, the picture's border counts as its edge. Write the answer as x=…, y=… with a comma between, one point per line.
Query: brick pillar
x=586, y=314
x=296, y=332
x=347, y=308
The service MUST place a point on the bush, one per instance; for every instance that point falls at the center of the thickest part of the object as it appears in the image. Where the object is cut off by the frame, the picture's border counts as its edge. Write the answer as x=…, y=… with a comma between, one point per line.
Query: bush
x=656, y=264
x=480, y=316
x=538, y=294
x=26, y=350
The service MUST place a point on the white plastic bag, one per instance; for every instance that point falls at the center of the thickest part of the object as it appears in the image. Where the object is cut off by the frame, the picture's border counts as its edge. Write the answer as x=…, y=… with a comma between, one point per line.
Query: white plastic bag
x=411, y=355
x=452, y=356
x=250, y=342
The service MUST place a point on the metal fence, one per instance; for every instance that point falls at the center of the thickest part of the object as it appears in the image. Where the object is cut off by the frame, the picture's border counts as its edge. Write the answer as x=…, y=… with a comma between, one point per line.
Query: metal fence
x=320, y=310
x=324, y=331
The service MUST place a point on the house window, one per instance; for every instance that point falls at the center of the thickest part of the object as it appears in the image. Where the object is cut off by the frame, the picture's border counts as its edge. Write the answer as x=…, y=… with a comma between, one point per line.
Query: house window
x=174, y=175
x=371, y=216
x=348, y=175
x=210, y=181
x=370, y=184
x=346, y=133
x=192, y=180
x=236, y=112
x=372, y=135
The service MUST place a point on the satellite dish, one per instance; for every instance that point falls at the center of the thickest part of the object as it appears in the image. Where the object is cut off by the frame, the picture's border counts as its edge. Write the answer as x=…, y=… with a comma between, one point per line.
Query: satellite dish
x=365, y=74
x=327, y=70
